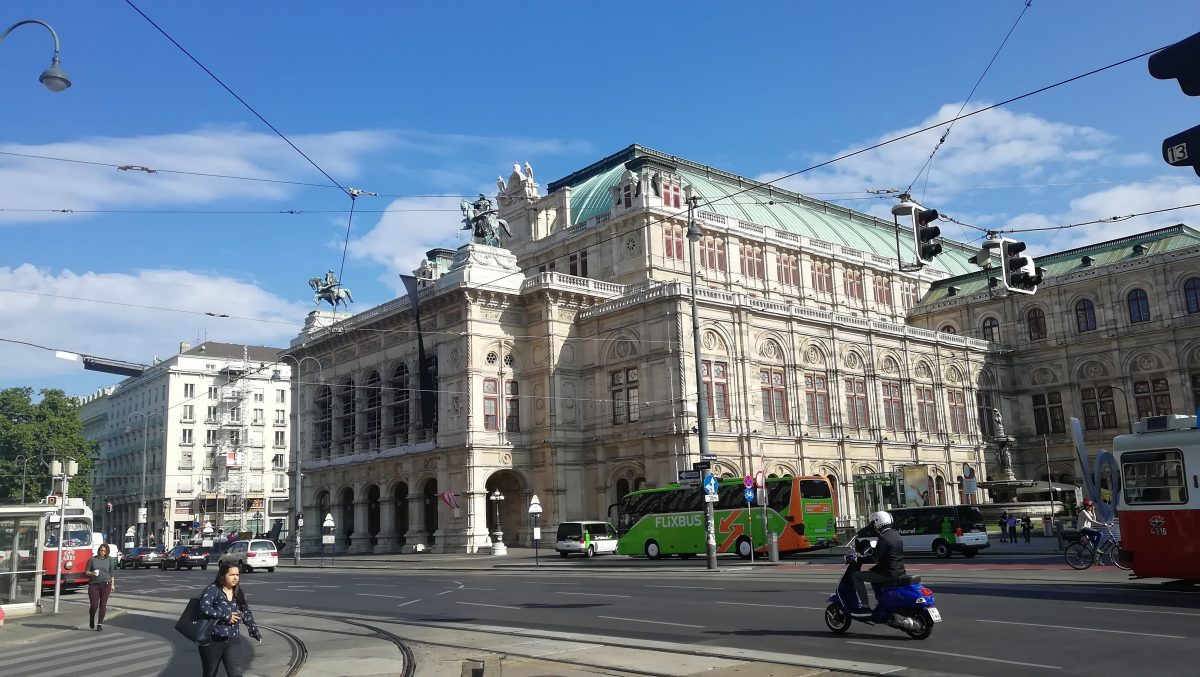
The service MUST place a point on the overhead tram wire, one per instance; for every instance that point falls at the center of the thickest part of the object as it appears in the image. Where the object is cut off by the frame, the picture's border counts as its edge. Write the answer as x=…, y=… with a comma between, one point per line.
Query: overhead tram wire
x=967, y=100
x=755, y=185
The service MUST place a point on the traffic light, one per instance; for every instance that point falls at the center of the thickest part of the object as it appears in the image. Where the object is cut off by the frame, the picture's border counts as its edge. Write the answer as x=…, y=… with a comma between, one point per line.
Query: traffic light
x=1181, y=62
x=925, y=234
x=1020, y=275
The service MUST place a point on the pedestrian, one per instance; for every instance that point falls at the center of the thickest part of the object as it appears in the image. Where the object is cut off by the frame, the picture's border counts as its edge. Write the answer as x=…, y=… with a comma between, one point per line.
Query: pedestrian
x=1004, y=526
x=1012, y=528
x=101, y=584
x=1026, y=527
x=224, y=600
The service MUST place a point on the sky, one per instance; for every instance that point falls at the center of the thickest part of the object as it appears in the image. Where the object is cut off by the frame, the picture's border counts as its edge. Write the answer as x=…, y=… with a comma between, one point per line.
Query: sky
x=425, y=102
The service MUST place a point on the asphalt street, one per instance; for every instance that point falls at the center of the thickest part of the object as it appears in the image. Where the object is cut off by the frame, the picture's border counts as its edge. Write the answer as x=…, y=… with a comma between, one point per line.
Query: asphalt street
x=1000, y=614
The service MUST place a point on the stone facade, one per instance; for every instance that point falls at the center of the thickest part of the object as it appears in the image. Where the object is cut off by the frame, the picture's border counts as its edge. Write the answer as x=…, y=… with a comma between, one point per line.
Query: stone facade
x=1112, y=335
x=565, y=368
x=213, y=427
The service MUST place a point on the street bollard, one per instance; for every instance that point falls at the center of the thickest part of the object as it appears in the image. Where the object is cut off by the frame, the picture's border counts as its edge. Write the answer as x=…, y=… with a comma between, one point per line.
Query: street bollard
x=773, y=547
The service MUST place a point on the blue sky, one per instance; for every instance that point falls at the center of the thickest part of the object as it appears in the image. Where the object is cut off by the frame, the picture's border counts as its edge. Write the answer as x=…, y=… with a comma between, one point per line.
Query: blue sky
x=423, y=99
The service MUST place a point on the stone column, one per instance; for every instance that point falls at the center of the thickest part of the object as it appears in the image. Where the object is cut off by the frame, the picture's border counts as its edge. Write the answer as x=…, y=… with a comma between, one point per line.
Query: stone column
x=416, y=535
x=310, y=534
x=360, y=539
x=386, y=540
x=478, y=538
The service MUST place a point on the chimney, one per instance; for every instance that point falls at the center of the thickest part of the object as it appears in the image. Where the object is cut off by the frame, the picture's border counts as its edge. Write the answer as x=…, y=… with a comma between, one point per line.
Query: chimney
x=184, y=346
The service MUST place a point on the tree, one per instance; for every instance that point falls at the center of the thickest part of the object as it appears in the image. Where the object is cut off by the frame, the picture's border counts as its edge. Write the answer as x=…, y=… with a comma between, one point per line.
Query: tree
x=41, y=431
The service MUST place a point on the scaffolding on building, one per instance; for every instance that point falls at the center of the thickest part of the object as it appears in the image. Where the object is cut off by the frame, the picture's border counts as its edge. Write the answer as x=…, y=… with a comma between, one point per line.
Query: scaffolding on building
x=230, y=464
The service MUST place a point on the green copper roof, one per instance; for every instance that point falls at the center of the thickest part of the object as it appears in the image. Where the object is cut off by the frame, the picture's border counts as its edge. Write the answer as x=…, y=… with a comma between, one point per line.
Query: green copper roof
x=763, y=205
x=1061, y=263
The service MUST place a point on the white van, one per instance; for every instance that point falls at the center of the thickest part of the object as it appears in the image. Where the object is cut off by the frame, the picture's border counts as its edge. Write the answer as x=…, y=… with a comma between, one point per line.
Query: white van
x=586, y=538
x=940, y=529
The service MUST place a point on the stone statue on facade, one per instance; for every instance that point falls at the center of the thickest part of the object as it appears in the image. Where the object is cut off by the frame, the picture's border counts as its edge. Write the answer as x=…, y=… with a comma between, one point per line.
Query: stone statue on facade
x=330, y=290
x=480, y=218
x=998, y=420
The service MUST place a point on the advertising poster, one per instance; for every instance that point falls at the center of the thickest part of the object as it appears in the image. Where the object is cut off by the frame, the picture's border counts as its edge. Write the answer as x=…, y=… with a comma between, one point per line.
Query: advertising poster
x=917, y=485
x=970, y=484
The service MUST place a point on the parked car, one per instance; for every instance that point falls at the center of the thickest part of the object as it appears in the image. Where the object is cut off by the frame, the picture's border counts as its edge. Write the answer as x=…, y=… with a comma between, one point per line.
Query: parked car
x=586, y=538
x=253, y=554
x=184, y=556
x=141, y=556
x=940, y=529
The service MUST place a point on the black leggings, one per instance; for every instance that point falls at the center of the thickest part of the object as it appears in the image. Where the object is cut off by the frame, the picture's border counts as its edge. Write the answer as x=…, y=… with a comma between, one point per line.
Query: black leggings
x=234, y=653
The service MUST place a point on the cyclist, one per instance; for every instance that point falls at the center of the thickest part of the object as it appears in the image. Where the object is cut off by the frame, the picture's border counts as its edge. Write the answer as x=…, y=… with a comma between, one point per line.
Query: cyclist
x=1088, y=523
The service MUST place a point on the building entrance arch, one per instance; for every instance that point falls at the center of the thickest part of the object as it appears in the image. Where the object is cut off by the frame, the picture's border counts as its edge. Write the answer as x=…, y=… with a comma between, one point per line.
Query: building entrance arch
x=430, y=504
x=513, y=510
x=373, y=514
x=345, y=525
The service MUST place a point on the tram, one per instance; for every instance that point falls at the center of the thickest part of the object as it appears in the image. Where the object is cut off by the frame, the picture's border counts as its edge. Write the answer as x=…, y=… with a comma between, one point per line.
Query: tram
x=1159, y=505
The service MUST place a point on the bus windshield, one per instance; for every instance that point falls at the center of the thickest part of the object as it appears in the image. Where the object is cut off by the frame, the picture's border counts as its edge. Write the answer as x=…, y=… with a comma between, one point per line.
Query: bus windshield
x=77, y=532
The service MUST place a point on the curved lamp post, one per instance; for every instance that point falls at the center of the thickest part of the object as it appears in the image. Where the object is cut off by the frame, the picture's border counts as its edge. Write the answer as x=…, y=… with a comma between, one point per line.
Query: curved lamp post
x=498, y=547
x=54, y=78
x=143, y=526
x=276, y=376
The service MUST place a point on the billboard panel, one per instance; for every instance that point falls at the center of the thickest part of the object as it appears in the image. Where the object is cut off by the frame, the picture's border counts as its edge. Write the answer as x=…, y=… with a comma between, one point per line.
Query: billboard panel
x=918, y=486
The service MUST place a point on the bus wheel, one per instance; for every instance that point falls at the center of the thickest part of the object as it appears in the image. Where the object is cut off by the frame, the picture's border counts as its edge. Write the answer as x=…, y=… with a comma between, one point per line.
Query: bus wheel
x=941, y=549
x=744, y=547
x=652, y=550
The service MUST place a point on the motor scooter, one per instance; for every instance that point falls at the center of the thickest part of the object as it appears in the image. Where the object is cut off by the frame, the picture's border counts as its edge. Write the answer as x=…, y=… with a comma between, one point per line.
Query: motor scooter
x=904, y=603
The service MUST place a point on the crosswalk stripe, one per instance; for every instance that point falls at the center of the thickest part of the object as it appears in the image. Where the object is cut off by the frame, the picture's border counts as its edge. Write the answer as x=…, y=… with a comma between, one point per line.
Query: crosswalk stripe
x=125, y=658
x=40, y=650
x=141, y=668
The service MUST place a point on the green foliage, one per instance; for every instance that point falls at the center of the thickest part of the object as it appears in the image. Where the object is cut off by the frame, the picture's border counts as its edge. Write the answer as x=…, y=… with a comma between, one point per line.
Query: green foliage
x=40, y=431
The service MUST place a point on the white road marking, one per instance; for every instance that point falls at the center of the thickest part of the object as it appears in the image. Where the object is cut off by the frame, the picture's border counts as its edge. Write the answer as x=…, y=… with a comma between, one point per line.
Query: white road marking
x=447, y=591
x=591, y=594
x=368, y=594
x=496, y=606
x=489, y=589
x=1071, y=627
x=638, y=620
x=1140, y=611
x=685, y=587
x=407, y=603
x=290, y=589
x=974, y=657
x=541, y=583
x=776, y=606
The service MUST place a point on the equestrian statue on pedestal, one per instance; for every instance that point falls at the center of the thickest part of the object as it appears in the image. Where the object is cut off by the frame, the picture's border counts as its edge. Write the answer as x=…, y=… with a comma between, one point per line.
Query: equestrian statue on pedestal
x=330, y=290
x=480, y=218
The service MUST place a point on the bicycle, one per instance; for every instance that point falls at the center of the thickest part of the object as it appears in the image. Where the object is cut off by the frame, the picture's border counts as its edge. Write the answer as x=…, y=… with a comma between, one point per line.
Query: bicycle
x=1082, y=555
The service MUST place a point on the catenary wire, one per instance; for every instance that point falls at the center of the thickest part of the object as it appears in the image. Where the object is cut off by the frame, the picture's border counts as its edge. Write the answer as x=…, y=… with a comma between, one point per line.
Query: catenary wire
x=967, y=100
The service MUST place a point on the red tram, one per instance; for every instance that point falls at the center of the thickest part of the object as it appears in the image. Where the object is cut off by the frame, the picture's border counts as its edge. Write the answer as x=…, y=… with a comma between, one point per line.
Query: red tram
x=1159, y=504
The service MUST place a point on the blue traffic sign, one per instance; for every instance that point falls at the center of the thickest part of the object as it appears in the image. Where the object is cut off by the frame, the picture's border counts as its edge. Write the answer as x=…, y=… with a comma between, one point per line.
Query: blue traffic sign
x=748, y=494
x=710, y=484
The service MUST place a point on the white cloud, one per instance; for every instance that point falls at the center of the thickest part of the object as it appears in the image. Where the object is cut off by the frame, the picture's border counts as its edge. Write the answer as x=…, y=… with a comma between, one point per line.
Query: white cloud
x=998, y=146
x=31, y=183
x=47, y=317
x=399, y=240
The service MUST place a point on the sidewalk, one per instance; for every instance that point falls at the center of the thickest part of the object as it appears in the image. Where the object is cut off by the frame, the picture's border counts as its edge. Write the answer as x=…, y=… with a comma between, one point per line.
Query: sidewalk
x=522, y=558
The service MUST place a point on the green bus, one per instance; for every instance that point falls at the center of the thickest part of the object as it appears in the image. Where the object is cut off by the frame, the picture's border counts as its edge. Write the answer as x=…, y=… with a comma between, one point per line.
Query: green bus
x=670, y=521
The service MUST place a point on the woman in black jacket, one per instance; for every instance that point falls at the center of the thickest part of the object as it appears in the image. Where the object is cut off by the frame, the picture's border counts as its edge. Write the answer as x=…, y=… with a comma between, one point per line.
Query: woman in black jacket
x=224, y=600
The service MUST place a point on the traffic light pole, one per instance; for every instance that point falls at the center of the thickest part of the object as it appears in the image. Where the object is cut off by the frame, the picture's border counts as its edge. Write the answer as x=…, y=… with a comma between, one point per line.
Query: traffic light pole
x=710, y=522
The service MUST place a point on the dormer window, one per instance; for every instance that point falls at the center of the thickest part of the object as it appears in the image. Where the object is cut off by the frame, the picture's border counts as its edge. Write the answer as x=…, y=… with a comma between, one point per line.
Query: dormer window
x=1139, y=249
x=672, y=193
x=1086, y=261
x=627, y=195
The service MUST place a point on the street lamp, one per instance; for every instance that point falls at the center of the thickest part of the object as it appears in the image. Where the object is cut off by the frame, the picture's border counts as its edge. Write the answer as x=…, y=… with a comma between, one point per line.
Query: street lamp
x=693, y=235
x=141, y=515
x=297, y=497
x=54, y=78
x=24, y=461
x=498, y=547
x=258, y=522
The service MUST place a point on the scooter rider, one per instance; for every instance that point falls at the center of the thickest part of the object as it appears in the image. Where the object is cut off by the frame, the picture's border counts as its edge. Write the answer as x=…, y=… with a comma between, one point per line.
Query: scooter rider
x=888, y=557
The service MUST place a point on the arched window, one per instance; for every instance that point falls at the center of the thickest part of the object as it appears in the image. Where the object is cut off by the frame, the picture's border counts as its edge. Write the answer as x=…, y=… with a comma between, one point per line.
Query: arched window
x=991, y=329
x=948, y=329
x=1036, y=320
x=940, y=491
x=1191, y=292
x=1085, y=316
x=1139, y=306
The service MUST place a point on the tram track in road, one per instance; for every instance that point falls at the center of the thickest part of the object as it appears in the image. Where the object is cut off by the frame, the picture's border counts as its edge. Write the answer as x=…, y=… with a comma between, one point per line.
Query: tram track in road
x=299, y=650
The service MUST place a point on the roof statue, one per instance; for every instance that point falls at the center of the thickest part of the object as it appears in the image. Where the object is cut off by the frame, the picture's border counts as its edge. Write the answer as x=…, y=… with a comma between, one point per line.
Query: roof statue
x=330, y=290
x=528, y=172
x=520, y=185
x=480, y=218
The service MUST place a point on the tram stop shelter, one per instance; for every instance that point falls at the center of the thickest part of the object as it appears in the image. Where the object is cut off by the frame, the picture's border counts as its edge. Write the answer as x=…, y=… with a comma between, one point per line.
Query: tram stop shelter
x=21, y=538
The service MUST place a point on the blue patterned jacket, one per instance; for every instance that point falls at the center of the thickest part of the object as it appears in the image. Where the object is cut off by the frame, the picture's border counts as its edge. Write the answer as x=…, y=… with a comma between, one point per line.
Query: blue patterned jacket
x=214, y=604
